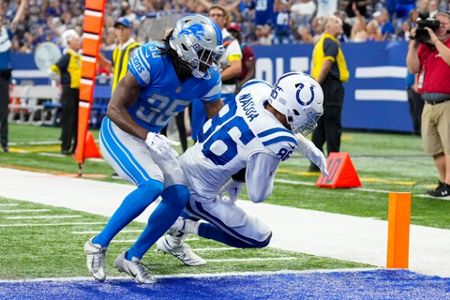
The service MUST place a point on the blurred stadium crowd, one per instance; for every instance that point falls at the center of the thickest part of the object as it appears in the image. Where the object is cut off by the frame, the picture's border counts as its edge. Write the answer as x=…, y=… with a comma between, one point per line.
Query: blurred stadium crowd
x=290, y=21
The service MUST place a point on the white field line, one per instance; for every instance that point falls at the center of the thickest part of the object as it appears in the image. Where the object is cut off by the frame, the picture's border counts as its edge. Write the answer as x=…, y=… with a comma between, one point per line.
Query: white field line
x=35, y=143
x=299, y=182
x=123, y=241
x=8, y=204
x=251, y=259
x=13, y=211
x=132, y=241
x=51, y=154
x=191, y=239
x=55, y=224
x=214, y=249
x=43, y=217
x=96, y=231
x=205, y=275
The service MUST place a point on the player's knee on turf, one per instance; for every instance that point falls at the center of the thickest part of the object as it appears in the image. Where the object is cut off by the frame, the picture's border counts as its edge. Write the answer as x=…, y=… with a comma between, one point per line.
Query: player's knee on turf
x=263, y=242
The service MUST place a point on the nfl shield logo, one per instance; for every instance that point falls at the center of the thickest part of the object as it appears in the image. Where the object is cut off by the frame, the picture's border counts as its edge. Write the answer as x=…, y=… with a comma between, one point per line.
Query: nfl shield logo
x=178, y=89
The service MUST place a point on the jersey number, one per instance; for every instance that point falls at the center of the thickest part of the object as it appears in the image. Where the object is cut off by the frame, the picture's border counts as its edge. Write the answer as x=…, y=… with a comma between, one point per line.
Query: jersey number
x=211, y=136
x=158, y=109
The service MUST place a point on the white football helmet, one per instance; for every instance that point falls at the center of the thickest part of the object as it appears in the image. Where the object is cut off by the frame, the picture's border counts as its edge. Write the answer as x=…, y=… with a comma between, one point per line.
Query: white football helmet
x=198, y=39
x=300, y=98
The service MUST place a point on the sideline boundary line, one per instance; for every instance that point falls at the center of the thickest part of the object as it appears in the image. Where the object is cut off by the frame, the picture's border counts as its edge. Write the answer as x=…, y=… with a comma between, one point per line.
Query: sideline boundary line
x=205, y=275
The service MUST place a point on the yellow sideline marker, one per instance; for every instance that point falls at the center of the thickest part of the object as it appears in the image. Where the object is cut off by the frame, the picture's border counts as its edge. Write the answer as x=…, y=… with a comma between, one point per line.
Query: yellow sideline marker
x=398, y=230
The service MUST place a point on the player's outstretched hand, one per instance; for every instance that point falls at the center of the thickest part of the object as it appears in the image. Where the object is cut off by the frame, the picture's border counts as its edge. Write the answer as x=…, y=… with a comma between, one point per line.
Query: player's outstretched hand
x=311, y=152
x=316, y=157
x=161, y=145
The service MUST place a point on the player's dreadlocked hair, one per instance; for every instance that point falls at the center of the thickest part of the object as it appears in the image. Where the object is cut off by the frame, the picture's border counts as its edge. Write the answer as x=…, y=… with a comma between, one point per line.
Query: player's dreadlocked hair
x=181, y=67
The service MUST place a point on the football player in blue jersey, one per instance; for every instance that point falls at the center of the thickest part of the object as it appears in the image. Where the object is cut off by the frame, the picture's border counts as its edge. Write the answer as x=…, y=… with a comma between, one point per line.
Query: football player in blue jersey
x=257, y=131
x=162, y=79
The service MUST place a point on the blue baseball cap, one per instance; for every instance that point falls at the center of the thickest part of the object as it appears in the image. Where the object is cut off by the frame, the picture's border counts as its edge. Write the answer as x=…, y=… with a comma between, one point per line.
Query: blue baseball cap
x=122, y=21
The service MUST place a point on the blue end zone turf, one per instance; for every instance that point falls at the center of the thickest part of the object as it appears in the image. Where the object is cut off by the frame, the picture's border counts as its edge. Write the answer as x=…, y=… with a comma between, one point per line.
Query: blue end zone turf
x=374, y=284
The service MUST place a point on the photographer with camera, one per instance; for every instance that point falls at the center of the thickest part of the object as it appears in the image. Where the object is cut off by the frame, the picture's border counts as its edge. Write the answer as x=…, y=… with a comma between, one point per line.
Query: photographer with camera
x=429, y=56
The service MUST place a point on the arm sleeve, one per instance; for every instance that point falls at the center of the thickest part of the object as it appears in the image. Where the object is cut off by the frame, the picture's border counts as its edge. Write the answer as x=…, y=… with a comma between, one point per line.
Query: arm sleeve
x=234, y=51
x=139, y=66
x=260, y=175
x=62, y=63
x=330, y=49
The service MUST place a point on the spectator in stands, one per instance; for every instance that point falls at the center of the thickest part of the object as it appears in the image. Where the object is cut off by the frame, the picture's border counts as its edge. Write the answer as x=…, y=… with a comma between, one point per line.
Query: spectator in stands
x=248, y=57
x=350, y=5
x=345, y=25
x=405, y=32
x=386, y=28
x=431, y=60
x=317, y=28
x=373, y=31
x=68, y=70
x=283, y=24
x=359, y=29
x=263, y=35
x=330, y=70
x=264, y=12
x=304, y=35
x=433, y=7
x=302, y=12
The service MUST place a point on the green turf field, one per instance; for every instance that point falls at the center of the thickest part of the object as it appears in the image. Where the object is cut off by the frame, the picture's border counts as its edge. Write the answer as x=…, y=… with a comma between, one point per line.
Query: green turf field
x=385, y=162
x=57, y=251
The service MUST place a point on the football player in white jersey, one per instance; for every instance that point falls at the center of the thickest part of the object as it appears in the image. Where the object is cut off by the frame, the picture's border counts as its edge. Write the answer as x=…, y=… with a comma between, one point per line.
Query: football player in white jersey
x=163, y=78
x=261, y=128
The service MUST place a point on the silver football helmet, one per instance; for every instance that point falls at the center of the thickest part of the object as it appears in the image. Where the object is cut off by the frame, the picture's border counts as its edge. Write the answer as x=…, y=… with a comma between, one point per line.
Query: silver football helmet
x=300, y=98
x=198, y=40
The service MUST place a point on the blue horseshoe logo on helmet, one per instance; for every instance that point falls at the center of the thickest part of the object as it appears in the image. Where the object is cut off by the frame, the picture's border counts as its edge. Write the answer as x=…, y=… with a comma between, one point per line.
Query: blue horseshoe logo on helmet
x=297, y=95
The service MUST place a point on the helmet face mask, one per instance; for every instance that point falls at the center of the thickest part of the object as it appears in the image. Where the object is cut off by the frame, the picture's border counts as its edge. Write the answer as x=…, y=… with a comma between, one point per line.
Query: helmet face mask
x=198, y=42
x=299, y=98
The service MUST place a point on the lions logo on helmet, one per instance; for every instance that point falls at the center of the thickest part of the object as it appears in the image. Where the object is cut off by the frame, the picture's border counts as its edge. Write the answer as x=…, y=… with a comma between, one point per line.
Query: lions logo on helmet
x=300, y=98
x=198, y=42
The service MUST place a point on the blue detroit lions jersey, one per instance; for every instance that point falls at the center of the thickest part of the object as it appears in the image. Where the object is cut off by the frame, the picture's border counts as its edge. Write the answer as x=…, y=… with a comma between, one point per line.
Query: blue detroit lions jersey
x=241, y=128
x=162, y=94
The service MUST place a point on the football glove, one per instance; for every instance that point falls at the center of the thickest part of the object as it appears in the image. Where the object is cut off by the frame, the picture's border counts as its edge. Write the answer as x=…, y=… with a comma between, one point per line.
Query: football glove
x=161, y=145
x=311, y=152
x=233, y=189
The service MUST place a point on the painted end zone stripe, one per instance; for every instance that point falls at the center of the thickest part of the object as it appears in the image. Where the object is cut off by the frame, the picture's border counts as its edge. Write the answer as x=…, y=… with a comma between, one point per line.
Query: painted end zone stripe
x=370, y=284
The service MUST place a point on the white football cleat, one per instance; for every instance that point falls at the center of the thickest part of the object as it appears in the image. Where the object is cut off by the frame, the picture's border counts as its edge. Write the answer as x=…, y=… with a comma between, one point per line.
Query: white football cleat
x=95, y=260
x=182, y=251
x=134, y=268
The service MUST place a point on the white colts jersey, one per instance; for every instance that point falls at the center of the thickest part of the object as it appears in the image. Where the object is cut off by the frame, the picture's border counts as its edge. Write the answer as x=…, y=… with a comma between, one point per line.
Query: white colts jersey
x=241, y=128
